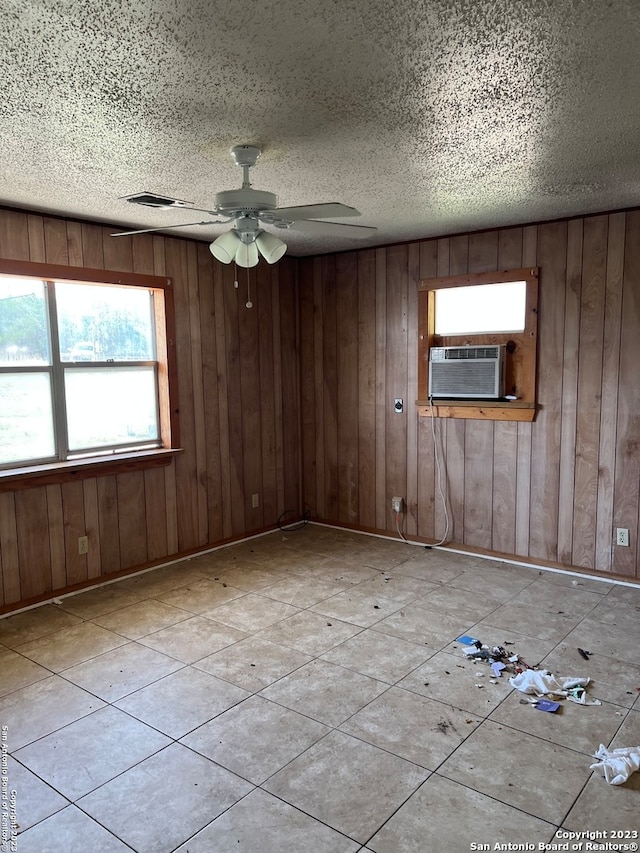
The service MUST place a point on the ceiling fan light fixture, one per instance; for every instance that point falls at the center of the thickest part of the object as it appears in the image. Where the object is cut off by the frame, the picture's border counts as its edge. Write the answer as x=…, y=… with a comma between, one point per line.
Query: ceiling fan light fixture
x=247, y=255
x=225, y=246
x=270, y=247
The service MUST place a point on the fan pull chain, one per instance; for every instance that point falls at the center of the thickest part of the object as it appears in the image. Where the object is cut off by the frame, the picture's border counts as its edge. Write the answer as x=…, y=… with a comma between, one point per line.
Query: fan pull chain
x=249, y=303
x=235, y=281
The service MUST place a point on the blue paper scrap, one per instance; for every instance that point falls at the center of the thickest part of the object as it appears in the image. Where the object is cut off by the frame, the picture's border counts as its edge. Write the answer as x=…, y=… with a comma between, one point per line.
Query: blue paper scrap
x=466, y=640
x=546, y=705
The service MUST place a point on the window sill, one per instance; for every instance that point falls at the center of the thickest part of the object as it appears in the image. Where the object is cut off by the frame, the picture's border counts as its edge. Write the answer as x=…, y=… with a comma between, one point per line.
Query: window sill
x=81, y=469
x=488, y=410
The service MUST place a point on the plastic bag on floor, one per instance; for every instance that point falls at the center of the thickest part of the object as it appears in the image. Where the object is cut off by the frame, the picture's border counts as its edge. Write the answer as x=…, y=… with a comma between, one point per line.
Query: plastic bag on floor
x=616, y=765
x=540, y=682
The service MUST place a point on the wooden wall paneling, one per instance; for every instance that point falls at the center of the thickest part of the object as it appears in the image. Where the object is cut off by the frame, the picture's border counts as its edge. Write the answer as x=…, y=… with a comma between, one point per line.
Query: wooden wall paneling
x=478, y=483
x=155, y=508
x=441, y=510
x=9, y=549
x=523, y=460
x=427, y=493
x=568, y=426
x=510, y=249
x=589, y=391
x=142, y=250
x=132, y=522
x=170, y=488
x=251, y=422
x=108, y=524
x=199, y=427
x=222, y=281
x=504, y=497
x=605, y=539
x=545, y=442
x=289, y=336
x=455, y=429
x=479, y=439
x=366, y=388
x=33, y=547
x=505, y=435
x=74, y=244
x=14, y=236
x=411, y=394
x=453, y=476
x=307, y=385
x=381, y=388
x=233, y=305
x=483, y=251
x=627, y=473
x=330, y=384
x=318, y=357
x=277, y=395
x=118, y=251
x=270, y=385
x=35, y=229
x=396, y=377
x=92, y=526
x=73, y=515
x=186, y=467
x=55, y=241
x=55, y=527
x=347, y=404
x=208, y=274
x=92, y=246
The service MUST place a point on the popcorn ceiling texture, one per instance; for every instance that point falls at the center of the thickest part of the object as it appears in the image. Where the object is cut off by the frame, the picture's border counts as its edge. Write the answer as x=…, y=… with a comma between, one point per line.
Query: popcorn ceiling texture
x=429, y=117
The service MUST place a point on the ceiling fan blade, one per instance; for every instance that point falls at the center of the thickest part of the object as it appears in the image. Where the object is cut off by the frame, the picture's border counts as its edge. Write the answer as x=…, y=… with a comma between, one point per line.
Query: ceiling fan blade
x=314, y=211
x=329, y=229
x=165, y=227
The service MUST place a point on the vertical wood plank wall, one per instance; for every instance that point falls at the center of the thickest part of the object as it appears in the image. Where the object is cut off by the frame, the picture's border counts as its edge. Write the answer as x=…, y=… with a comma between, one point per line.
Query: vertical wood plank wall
x=554, y=490
x=239, y=419
x=293, y=400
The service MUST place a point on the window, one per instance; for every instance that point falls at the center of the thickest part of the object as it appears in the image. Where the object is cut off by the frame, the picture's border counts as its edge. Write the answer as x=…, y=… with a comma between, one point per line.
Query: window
x=480, y=309
x=473, y=314
x=84, y=367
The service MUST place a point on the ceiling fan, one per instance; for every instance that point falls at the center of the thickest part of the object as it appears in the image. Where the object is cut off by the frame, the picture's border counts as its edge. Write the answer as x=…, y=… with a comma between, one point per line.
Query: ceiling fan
x=248, y=209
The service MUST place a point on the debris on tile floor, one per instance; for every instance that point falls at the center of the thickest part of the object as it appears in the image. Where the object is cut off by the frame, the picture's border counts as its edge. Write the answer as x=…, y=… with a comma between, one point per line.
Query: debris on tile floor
x=525, y=678
x=583, y=654
x=543, y=683
x=616, y=765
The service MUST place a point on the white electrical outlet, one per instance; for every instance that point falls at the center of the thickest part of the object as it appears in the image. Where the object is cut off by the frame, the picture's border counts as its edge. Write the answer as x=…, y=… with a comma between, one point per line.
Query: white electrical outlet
x=396, y=504
x=622, y=536
x=255, y=501
x=83, y=544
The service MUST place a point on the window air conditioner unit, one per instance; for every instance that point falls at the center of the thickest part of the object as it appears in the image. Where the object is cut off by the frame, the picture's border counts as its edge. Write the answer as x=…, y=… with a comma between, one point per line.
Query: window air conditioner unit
x=475, y=372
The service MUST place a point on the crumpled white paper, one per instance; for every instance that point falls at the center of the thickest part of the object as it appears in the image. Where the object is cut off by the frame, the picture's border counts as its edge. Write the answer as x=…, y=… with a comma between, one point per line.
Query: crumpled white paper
x=616, y=765
x=540, y=682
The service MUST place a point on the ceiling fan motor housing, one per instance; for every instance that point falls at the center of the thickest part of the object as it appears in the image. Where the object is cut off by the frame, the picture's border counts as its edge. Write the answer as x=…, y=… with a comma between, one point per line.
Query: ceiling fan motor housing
x=230, y=201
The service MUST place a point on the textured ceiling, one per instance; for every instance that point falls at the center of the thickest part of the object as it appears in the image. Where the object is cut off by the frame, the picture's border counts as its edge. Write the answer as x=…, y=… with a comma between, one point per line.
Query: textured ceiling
x=429, y=116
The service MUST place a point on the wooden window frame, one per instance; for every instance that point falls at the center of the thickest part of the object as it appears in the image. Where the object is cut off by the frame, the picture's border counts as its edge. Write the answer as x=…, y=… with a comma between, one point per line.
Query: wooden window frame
x=28, y=476
x=521, y=360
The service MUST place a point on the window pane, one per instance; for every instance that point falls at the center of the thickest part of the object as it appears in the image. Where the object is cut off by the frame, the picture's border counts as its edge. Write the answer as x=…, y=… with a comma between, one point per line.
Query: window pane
x=26, y=421
x=98, y=323
x=481, y=308
x=24, y=332
x=110, y=406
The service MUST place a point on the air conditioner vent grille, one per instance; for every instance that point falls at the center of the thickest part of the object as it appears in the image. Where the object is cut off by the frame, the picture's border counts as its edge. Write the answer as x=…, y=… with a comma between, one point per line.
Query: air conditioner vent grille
x=473, y=372
x=468, y=352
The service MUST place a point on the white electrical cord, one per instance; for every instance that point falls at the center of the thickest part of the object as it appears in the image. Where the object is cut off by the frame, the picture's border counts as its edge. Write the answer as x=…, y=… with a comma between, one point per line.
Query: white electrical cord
x=438, y=477
x=400, y=533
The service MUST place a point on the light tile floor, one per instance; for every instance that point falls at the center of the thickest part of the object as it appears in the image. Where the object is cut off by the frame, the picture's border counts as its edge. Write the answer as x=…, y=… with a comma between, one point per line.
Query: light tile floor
x=305, y=692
